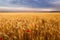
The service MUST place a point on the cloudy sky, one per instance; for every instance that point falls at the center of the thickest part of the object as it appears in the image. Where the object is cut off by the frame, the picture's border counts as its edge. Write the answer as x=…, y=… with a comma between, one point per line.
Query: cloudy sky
x=52, y=4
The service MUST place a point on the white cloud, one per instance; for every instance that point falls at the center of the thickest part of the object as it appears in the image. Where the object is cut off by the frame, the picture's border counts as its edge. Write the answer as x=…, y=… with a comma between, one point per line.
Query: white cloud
x=55, y=2
x=25, y=9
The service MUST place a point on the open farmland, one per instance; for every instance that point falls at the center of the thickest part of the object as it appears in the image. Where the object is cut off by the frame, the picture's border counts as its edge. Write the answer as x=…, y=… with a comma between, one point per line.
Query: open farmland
x=30, y=25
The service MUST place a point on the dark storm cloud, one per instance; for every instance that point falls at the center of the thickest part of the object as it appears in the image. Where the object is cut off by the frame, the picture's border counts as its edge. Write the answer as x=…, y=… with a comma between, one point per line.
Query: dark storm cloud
x=30, y=3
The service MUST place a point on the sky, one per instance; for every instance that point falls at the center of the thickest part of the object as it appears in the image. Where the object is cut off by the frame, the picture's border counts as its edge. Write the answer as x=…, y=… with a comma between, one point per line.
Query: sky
x=31, y=3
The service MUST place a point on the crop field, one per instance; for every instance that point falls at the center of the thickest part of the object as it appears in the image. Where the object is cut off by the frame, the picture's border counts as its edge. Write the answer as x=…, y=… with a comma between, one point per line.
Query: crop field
x=29, y=25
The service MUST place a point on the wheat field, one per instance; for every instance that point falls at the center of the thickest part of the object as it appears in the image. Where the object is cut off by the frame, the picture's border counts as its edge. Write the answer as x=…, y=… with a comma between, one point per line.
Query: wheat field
x=30, y=25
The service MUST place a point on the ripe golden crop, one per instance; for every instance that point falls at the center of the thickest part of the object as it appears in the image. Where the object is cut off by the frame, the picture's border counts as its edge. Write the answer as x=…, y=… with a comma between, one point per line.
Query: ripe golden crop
x=18, y=27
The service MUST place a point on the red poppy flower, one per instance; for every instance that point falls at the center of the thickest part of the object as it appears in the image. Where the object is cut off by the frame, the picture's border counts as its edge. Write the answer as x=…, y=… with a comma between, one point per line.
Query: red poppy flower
x=0, y=38
x=27, y=30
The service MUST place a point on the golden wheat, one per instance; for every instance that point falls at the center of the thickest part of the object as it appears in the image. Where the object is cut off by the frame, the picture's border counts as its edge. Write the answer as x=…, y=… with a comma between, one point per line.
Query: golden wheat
x=29, y=28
